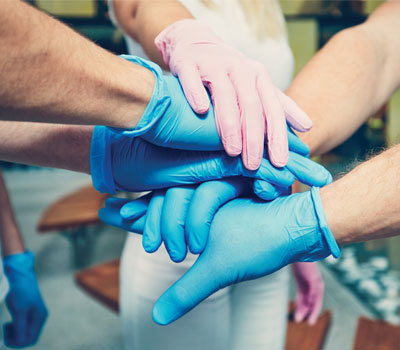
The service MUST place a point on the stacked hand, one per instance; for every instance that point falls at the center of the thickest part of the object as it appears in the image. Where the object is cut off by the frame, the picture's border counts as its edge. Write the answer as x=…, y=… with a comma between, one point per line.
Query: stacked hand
x=122, y=161
x=247, y=105
x=23, y=301
x=247, y=239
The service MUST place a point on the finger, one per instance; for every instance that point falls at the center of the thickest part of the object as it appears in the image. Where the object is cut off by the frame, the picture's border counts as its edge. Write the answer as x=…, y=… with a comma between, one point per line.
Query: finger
x=318, y=300
x=296, y=145
x=111, y=216
x=251, y=118
x=151, y=240
x=199, y=282
x=208, y=197
x=268, y=192
x=300, y=312
x=295, y=116
x=226, y=113
x=278, y=176
x=278, y=148
x=193, y=88
x=315, y=312
x=307, y=171
x=18, y=328
x=134, y=209
x=37, y=318
x=176, y=203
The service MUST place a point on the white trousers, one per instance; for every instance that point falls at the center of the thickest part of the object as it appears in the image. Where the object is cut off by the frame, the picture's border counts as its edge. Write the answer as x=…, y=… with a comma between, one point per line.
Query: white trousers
x=251, y=315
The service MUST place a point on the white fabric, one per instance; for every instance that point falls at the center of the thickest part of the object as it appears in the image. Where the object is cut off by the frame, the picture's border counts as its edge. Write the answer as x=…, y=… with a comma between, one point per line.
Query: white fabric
x=4, y=286
x=248, y=316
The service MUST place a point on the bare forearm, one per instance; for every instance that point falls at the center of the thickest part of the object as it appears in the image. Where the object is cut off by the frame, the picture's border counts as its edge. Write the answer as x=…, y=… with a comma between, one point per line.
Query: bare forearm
x=49, y=73
x=364, y=204
x=144, y=20
x=350, y=78
x=49, y=145
x=10, y=236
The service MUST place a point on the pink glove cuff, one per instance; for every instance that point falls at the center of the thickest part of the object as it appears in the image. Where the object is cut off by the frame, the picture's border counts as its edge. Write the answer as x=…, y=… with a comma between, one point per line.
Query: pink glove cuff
x=177, y=34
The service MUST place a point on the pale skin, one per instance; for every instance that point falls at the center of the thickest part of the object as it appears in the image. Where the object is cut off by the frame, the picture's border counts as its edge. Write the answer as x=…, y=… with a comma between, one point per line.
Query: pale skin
x=10, y=236
x=49, y=73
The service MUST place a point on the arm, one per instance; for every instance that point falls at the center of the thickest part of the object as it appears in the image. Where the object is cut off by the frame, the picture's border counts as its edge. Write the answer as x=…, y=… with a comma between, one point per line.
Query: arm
x=49, y=73
x=49, y=145
x=11, y=239
x=364, y=205
x=24, y=300
x=350, y=78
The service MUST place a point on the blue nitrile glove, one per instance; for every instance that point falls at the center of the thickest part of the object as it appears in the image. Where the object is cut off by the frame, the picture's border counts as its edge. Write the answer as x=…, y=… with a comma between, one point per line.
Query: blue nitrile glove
x=23, y=301
x=169, y=121
x=120, y=162
x=248, y=239
x=183, y=215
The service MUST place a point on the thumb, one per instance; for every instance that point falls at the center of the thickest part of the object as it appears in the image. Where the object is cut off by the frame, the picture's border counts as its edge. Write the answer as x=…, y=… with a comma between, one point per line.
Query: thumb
x=199, y=282
x=193, y=88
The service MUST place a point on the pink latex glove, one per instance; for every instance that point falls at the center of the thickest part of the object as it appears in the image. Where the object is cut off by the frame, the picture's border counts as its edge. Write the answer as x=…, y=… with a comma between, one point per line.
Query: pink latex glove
x=310, y=292
x=247, y=105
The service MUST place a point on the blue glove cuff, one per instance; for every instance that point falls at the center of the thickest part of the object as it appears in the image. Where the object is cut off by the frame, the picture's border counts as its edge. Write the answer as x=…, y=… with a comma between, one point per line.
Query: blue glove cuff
x=159, y=102
x=100, y=160
x=18, y=261
x=327, y=233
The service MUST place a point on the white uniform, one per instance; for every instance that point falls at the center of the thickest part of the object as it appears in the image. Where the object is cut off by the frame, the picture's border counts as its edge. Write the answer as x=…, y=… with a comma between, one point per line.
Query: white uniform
x=251, y=315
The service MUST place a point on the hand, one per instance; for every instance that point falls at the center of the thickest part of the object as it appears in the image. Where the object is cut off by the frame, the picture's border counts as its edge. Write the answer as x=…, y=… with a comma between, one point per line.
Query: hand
x=23, y=301
x=182, y=216
x=248, y=239
x=310, y=292
x=126, y=163
x=247, y=104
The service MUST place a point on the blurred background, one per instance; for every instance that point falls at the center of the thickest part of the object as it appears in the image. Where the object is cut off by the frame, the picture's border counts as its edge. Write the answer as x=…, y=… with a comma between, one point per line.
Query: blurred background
x=56, y=210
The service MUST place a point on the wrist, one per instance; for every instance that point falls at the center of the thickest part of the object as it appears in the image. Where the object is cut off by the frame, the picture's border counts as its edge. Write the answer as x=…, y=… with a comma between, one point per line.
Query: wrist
x=335, y=214
x=177, y=34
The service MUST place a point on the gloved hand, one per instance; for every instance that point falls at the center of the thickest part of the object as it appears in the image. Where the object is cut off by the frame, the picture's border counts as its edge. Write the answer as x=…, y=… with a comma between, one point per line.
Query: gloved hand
x=126, y=163
x=248, y=239
x=23, y=301
x=184, y=214
x=247, y=104
x=310, y=292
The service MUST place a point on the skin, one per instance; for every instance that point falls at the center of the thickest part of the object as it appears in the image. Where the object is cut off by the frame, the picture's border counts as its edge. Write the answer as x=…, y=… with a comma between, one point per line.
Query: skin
x=10, y=236
x=49, y=73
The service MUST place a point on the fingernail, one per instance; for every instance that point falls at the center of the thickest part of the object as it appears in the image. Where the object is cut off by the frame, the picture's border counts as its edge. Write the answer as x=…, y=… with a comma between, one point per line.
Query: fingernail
x=279, y=159
x=163, y=313
x=175, y=256
x=253, y=163
x=232, y=145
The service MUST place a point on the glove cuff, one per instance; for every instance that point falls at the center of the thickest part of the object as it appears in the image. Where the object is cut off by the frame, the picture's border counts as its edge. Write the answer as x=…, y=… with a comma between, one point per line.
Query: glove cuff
x=100, y=160
x=159, y=102
x=18, y=262
x=177, y=34
x=323, y=225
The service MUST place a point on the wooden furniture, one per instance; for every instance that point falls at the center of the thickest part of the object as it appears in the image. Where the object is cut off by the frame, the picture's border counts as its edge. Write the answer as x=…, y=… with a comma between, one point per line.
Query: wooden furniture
x=72, y=216
x=102, y=283
x=301, y=336
x=376, y=335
